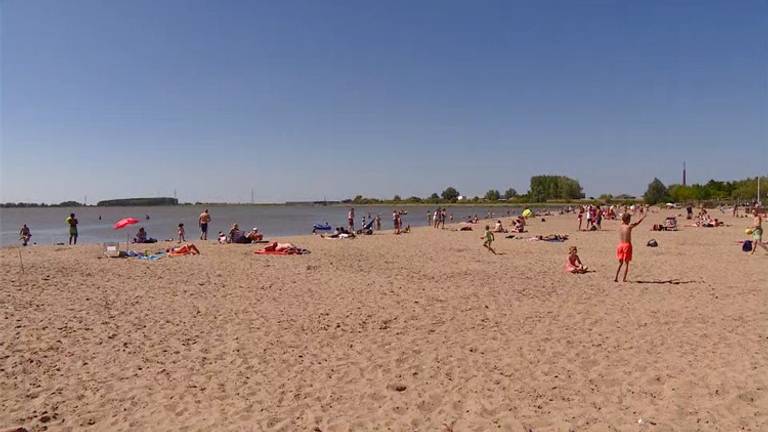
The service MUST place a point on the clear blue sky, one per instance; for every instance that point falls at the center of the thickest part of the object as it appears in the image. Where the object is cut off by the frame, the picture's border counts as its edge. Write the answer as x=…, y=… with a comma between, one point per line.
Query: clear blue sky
x=305, y=99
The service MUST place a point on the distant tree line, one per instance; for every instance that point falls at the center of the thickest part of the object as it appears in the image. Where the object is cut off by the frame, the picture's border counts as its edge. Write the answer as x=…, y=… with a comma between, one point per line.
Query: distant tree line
x=738, y=190
x=543, y=188
x=25, y=204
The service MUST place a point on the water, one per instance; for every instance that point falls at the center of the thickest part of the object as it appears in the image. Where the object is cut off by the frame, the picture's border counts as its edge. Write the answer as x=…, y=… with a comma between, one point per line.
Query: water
x=48, y=226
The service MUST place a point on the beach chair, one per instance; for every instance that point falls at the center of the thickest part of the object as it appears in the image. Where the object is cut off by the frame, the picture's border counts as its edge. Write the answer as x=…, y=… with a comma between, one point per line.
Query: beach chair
x=111, y=249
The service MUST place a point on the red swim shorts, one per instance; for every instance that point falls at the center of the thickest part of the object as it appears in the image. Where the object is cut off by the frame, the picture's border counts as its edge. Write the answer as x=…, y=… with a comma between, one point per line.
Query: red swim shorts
x=624, y=252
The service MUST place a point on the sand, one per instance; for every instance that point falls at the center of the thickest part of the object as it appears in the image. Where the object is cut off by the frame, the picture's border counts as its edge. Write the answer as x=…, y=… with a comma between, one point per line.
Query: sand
x=419, y=332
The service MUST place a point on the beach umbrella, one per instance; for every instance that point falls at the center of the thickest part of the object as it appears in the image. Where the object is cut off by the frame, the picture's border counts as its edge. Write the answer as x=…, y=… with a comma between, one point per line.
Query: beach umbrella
x=122, y=223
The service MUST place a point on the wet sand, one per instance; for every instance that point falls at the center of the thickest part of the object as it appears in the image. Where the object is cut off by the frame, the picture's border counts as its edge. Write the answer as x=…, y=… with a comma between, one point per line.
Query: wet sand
x=419, y=332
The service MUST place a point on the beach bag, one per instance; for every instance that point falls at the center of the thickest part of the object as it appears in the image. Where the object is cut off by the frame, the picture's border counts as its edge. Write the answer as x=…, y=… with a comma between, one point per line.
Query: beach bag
x=652, y=243
x=746, y=246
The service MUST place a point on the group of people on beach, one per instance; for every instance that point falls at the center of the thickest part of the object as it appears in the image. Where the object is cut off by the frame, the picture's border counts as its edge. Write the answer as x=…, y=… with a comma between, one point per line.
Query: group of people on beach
x=593, y=214
x=437, y=218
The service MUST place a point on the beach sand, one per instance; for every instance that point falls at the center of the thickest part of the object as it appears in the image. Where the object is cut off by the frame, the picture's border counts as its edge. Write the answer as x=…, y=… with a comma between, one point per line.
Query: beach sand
x=419, y=332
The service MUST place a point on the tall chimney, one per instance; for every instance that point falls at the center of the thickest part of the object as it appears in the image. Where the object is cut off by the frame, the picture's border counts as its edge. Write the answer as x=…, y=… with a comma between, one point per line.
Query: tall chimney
x=683, y=173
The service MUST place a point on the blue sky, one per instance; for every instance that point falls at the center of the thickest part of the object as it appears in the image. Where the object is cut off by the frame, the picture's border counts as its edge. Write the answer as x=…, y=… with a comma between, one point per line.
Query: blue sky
x=305, y=99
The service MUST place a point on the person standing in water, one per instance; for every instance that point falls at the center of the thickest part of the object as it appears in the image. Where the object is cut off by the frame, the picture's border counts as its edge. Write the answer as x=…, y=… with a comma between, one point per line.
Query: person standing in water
x=204, y=220
x=72, y=223
x=351, y=219
x=24, y=235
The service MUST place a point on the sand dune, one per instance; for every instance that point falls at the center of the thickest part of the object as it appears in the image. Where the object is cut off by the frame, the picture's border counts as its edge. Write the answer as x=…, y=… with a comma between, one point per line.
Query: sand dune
x=419, y=332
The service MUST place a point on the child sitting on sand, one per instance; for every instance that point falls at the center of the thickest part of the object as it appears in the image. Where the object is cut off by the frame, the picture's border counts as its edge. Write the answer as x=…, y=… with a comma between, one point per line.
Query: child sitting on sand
x=499, y=228
x=624, y=250
x=573, y=264
x=488, y=237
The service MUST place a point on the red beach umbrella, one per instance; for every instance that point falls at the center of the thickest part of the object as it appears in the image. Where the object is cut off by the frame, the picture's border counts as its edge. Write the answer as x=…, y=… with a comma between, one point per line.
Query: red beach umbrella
x=122, y=223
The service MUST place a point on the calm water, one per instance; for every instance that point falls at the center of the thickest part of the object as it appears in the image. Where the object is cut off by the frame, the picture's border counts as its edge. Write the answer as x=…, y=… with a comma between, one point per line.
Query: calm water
x=48, y=227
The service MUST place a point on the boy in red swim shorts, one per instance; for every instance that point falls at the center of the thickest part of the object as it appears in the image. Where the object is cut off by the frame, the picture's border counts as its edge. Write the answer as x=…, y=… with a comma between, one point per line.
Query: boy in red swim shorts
x=624, y=250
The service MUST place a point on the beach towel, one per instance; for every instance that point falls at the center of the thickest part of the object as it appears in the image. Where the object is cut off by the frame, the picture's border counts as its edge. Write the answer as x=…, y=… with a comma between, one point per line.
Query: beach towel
x=153, y=257
x=276, y=248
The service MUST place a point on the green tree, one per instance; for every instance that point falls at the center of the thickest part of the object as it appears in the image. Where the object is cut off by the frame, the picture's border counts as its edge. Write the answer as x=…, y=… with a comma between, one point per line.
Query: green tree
x=681, y=194
x=396, y=198
x=434, y=197
x=450, y=194
x=547, y=187
x=492, y=195
x=656, y=192
x=510, y=193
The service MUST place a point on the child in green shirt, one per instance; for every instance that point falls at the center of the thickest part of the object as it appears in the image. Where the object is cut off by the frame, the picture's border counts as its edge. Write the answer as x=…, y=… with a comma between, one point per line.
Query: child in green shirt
x=488, y=237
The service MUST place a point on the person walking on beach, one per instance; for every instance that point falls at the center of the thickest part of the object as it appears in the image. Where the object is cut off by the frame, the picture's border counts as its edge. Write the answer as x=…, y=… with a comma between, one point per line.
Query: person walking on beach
x=204, y=220
x=598, y=219
x=181, y=233
x=351, y=219
x=580, y=216
x=624, y=249
x=757, y=232
x=24, y=235
x=378, y=222
x=396, y=221
x=488, y=239
x=443, y=217
x=72, y=223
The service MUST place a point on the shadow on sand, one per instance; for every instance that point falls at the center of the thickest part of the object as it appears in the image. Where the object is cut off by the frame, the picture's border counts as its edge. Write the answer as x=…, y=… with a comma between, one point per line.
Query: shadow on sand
x=666, y=281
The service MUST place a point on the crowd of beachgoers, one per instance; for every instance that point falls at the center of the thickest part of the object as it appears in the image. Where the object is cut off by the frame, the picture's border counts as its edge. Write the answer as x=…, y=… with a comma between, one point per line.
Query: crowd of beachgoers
x=589, y=217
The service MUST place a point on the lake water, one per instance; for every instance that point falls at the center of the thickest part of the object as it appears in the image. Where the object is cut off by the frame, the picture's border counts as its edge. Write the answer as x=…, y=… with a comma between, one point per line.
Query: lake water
x=48, y=226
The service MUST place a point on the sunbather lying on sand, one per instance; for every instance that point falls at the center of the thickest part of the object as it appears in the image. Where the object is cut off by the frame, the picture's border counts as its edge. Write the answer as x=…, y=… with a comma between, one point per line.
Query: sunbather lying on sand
x=185, y=249
x=339, y=233
x=276, y=248
x=550, y=238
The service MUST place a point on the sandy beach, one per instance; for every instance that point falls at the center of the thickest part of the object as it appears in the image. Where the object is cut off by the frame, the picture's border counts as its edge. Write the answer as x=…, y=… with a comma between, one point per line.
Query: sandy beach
x=419, y=332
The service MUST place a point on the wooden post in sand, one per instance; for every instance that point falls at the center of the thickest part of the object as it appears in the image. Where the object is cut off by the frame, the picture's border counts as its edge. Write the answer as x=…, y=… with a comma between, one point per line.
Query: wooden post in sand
x=21, y=261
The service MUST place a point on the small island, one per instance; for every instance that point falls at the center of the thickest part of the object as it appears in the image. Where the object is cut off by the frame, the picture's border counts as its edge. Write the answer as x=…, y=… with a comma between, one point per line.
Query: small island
x=127, y=202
